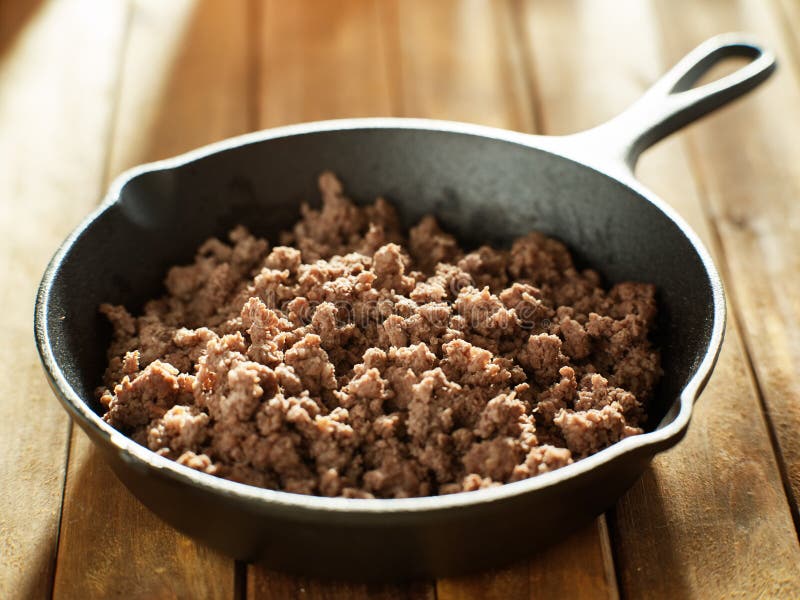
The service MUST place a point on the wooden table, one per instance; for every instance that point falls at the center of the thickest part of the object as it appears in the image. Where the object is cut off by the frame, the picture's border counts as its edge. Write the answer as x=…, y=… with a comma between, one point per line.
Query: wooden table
x=91, y=87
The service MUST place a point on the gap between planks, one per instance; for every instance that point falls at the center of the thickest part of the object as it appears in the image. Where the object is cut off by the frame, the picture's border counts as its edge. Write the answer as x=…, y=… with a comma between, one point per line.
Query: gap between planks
x=158, y=113
x=770, y=21
x=785, y=41
x=101, y=184
x=56, y=70
x=610, y=68
x=720, y=239
x=465, y=74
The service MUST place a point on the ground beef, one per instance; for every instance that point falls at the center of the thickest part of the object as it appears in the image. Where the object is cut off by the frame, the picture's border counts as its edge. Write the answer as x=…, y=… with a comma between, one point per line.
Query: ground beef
x=357, y=360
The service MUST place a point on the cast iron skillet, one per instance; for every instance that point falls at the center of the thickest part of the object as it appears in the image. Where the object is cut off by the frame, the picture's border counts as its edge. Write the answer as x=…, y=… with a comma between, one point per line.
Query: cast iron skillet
x=484, y=185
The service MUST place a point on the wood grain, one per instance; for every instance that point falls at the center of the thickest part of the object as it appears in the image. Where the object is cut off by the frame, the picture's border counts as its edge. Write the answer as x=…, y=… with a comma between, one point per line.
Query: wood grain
x=322, y=62
x=184, y=82
x=329, y=62
x=710, y=518
x=788, y=15
x=462, y=60
x=747, y=158
x=81, y=100
x=262, y=583
x=579, y=566
x=458, y=60
x=58, y=66
x=187, y=79
x=113, y=547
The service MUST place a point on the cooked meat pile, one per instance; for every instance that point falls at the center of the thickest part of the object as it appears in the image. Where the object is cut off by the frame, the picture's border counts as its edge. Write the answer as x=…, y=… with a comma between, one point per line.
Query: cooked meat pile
x=356, y=361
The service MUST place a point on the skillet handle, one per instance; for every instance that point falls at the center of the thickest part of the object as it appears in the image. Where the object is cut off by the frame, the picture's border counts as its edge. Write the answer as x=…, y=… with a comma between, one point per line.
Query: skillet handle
x=672, y=102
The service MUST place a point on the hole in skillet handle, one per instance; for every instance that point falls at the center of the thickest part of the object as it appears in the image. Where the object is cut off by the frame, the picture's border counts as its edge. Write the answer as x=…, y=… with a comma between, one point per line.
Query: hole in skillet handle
x=671, y=103
x=674, y=101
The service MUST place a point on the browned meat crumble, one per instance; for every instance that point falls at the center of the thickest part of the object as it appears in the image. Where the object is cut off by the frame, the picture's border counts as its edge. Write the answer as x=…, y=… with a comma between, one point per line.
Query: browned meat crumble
x=357, y=361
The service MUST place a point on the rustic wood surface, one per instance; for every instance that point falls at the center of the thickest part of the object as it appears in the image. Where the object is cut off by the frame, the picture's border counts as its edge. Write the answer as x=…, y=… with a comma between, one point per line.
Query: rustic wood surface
x=91, y=87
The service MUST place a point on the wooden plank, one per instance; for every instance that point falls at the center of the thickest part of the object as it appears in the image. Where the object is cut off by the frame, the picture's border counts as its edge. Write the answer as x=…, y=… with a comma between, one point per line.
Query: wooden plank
x=58, y=67
x=747, y=158
x=473, y=74
x=709, y=518
x=271, y=584
x=185, y=81
x=461, y=60
x=580, y=566
x=113, y=547
x=323, y=61
x=457, y=60
x=789, y=15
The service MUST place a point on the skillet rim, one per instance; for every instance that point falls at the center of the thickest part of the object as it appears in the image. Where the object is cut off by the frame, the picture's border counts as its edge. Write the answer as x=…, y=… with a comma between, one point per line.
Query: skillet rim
x=143, y=459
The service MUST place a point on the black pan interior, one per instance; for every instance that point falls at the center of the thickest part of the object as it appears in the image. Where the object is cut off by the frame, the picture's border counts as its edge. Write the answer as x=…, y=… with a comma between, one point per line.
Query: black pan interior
x=483, y=190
